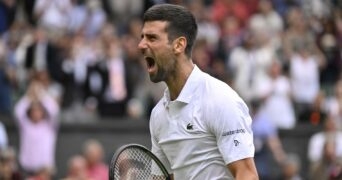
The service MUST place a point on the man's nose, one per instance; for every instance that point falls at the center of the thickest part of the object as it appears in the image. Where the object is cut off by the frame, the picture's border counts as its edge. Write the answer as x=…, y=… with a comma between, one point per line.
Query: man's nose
x=142, y=44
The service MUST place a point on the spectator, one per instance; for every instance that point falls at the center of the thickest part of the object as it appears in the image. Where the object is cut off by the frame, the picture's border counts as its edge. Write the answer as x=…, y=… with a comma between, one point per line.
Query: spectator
x=53, y=88
x=93, y=153
x=282, y=7
x=305, y=84
x=291, y=168
x=240, y=63
x=208, y=29
x=334, y=105
x=43, y=55
x=330, y=166
x=268, y=146
x=239, y=9
x=328, y=43
x=7, y=80
x=77, y=17
x=201, y=56
x=53, y=15
x=8, y=165
x=120, y=11
x=250, y=64
x=108, y=80
x=298, y=34
x=36, y=114
x=325, y=151
x=75, y=68
x=95, y=18
x=44, y=173
x=268, y=20
x=232, y=35
x=278, y=102
x=77, y=169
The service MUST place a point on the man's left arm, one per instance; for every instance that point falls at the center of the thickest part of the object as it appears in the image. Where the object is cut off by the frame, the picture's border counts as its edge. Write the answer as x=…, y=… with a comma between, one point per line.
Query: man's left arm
x=232, y=126
x=243, y=169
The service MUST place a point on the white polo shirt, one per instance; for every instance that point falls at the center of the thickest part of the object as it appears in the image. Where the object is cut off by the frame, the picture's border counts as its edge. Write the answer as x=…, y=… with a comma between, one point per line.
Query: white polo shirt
x=207, y=127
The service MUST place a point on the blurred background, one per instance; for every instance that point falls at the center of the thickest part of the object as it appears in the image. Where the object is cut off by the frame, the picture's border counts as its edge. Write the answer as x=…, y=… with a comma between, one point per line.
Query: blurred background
x=73, y=87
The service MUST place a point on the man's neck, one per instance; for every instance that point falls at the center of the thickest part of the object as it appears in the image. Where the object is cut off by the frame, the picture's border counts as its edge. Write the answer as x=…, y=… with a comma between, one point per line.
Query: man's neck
x=177, y=82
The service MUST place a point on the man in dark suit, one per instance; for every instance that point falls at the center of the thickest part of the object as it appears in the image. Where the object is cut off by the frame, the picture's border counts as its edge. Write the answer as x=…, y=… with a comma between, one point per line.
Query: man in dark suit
x=42, y=54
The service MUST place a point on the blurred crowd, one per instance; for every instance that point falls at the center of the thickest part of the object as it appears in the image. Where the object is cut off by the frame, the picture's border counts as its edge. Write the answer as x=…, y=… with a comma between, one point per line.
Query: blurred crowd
x=74, y=61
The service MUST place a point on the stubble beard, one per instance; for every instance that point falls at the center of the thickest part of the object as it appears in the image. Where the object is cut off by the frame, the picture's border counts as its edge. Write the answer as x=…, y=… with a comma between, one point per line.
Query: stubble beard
x=159, y=76
x=163, y=72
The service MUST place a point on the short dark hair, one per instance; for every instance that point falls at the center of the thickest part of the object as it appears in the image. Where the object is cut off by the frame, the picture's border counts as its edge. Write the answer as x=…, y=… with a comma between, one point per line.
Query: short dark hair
x=181, y=22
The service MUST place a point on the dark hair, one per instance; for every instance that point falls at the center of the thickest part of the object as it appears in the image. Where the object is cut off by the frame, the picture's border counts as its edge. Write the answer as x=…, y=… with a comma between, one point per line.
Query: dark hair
x=36, y=103
x=181, y=22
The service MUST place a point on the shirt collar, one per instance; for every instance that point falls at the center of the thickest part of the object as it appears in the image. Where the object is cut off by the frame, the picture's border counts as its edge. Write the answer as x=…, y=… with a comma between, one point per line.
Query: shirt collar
x=188, y=88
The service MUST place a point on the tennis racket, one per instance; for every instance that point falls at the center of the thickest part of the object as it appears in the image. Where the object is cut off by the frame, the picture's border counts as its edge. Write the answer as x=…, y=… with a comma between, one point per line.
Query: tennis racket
x=136, y=162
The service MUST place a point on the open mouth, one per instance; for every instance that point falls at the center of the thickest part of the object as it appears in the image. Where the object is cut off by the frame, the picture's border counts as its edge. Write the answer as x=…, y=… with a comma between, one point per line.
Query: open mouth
x=150, y=62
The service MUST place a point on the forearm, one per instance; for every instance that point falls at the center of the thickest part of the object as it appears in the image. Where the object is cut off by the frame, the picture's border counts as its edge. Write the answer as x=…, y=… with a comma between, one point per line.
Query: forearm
x=276, y=149
x=21, y=108
x=50, y=105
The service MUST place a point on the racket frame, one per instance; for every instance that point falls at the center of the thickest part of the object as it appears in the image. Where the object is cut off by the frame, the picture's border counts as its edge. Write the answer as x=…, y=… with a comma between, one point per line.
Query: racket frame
x=140, y=147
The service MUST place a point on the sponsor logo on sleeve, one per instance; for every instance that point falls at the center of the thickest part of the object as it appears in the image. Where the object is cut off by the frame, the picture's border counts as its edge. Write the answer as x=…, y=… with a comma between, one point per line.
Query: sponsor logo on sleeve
x=236, y=142
x=237, y=131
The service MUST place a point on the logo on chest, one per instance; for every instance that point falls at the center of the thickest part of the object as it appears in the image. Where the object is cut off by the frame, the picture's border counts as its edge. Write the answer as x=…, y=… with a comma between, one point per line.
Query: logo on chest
x=190, y=126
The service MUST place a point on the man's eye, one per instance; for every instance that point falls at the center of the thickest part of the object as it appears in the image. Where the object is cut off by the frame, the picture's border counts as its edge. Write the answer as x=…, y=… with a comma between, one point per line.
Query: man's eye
x=152, y=38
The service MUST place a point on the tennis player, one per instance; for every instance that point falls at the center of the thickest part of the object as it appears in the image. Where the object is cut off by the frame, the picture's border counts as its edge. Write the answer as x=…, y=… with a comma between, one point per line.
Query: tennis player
x=201, y=128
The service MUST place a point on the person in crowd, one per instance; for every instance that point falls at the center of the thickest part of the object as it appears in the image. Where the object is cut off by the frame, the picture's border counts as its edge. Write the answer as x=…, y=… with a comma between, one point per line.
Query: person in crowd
x=120, y=11
x=250, y=63
x=277, y=97
x=43, y=54
x=93, y=153
x=329, y=166
x=305, y=84
x=9, y=169
x=231, y=36
x=109, y=82
x=7, y=80
x=95, y=18
x=52, y=15
x=77, y=168
x=268, y=146
x=328, y=42
x=44, y=173
x=291, y=167
x=334, y=104
x=208, y=29
x=36, y=114
x=267, y=19
x=325, y=152
x=298, y=33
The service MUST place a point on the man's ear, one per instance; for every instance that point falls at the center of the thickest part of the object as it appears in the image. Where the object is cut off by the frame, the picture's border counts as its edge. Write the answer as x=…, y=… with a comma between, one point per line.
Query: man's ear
x=179, y=45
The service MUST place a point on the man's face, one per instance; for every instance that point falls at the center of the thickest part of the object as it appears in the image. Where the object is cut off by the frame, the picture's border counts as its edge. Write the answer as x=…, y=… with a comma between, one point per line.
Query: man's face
x=157, y=50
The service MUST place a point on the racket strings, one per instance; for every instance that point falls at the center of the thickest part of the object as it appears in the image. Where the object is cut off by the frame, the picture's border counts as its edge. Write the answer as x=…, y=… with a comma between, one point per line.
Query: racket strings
x=135, y=164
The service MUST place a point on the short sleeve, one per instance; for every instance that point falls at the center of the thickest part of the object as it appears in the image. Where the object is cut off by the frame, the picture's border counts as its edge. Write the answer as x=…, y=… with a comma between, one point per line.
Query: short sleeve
x=230, y=122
